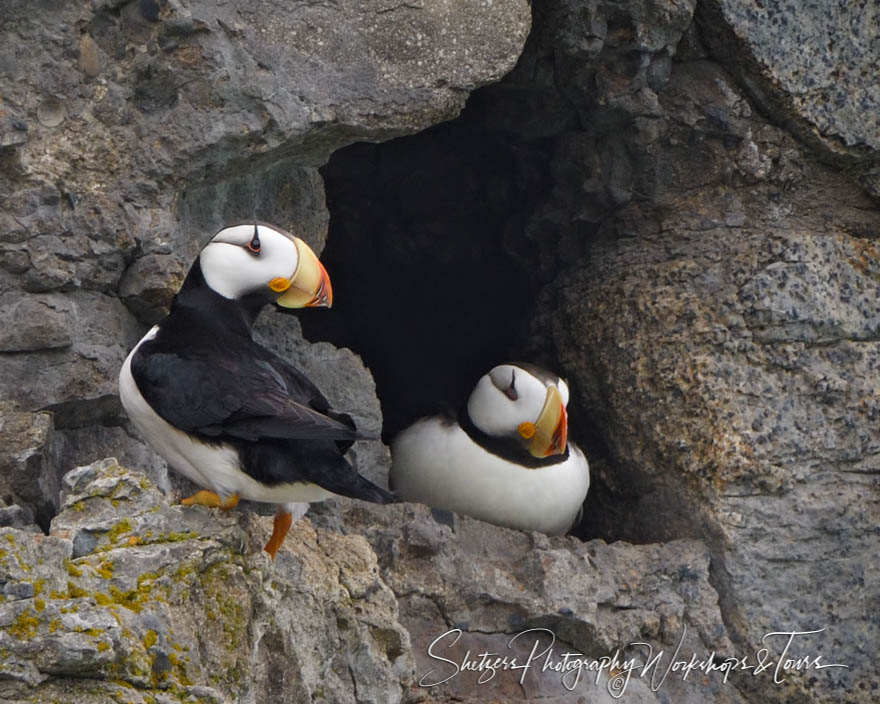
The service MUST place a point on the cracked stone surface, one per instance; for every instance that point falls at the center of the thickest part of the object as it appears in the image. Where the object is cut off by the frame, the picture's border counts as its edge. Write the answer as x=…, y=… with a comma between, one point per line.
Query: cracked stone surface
x=132, y=593
x=166, y=603
x=811, y=64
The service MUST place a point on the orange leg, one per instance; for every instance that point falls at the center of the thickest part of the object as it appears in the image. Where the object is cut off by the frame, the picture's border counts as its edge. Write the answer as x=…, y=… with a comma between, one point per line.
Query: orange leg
x=279, y=530
x=210, y=499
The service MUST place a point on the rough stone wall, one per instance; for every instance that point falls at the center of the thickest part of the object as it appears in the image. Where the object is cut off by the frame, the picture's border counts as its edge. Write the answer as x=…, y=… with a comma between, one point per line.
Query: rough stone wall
x=703, y=233
x=718, y=312
x=132, y=131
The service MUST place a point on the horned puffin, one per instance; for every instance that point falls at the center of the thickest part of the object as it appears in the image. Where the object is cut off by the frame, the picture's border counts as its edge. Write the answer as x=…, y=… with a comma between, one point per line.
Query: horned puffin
x=227, y=413
x=506, y=459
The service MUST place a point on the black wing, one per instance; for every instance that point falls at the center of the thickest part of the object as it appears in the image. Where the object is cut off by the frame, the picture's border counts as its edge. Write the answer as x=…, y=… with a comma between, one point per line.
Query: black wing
x=239, y=390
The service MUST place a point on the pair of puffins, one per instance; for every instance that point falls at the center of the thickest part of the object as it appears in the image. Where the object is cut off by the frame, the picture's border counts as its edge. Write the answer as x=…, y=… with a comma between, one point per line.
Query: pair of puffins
x=243, y=423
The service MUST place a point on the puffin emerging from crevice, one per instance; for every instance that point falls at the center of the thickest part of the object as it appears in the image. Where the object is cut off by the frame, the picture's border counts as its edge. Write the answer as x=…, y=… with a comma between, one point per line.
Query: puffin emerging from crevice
x=227, y=413
x=506, y=459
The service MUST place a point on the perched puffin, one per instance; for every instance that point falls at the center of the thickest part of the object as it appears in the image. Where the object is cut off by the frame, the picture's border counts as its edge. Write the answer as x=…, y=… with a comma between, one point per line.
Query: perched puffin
x=227, y=413
x=506, y=460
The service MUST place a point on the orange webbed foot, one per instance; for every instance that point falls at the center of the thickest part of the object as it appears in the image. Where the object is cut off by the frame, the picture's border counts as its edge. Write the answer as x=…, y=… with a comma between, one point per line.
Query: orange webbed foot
x=210, y=499
x=280, y=527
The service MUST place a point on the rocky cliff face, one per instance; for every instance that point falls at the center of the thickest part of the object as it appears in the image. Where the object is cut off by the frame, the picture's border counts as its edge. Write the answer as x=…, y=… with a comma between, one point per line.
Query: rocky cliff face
x=672, y=204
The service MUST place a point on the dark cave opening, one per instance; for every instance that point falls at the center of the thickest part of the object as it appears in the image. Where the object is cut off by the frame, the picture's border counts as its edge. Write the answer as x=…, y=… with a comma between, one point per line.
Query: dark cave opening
x=433, y=278
x=436, y=268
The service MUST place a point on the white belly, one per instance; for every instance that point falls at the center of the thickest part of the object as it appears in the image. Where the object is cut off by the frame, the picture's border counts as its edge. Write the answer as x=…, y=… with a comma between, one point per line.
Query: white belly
x=438, y=464
x=215, y=467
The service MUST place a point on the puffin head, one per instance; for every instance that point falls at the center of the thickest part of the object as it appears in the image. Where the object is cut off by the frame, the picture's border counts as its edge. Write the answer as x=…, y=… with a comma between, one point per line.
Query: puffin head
x=525, y=403
x=262, y=260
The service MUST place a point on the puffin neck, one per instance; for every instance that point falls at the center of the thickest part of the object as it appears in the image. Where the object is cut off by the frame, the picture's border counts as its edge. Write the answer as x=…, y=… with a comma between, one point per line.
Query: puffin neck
x=235, y=315
x=506, y=448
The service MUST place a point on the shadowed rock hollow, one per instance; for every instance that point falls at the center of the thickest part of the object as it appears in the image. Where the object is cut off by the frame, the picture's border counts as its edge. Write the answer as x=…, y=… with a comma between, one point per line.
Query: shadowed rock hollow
x=670, y=204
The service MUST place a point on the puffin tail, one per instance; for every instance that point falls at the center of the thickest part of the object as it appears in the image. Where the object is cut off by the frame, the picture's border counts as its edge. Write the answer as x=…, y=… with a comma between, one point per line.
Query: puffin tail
x=365, y=490
x=341, y=478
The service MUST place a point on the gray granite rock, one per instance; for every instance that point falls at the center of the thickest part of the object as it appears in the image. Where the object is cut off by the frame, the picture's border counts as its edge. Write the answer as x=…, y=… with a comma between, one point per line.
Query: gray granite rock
x=466, y=588
x=35, y=322
x=129, y=591
x=811, y=65
x=166, y=601
x=131, y=131
x=719, y=331
x=28, y=465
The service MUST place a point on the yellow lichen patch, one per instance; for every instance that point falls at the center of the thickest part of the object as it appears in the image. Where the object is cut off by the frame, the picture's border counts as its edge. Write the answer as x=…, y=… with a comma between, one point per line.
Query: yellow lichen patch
x=184, y=570
x=79, y=506
x=228, y=608
x=54, y=625
x=134, y=599
x=74, y=592
x=102, y=646
x=124, y=526
x=39, y=586
x=175, y=537
x=25, y=626
x=39, y=604
x=22, y=564
x=105, y=569
x=72, y=569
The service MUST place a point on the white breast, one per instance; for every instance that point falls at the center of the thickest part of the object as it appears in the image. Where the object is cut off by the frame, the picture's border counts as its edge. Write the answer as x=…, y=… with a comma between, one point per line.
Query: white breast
x=215, y=467
x=438, y=464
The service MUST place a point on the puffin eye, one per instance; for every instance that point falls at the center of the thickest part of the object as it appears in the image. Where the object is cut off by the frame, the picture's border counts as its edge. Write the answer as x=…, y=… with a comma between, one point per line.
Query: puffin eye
x=254, y=245
x=510, y=391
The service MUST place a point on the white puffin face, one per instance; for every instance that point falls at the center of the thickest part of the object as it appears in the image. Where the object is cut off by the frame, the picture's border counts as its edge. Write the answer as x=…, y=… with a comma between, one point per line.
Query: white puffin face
x=254, y=258
x=523, y=402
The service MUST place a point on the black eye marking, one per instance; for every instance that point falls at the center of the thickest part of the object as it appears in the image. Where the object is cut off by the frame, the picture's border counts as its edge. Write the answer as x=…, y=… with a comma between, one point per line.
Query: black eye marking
x=254, y=245
x=510, y=391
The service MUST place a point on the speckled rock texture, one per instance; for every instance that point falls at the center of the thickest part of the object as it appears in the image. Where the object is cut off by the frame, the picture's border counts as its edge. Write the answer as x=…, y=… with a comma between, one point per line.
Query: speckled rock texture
x=812, y=65
x=718, y=319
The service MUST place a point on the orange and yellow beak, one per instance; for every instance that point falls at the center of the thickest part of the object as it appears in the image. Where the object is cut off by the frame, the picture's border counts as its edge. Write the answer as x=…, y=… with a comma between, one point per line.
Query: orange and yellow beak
x=309, y=287
x=549, y=434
